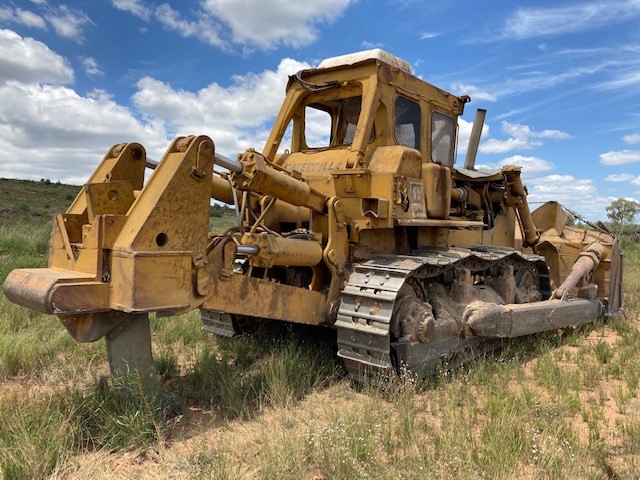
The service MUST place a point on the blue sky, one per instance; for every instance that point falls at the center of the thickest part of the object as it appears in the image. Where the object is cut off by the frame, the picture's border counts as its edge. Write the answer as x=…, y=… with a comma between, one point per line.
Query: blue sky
x=560, y=80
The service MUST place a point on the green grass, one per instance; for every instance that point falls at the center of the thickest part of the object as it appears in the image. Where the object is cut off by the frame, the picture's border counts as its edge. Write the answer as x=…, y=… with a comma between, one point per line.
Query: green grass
x=123, y=413
x=29, y=341
x=37, y=433
x=32, y=199
x=276, y=366
x=35, y=436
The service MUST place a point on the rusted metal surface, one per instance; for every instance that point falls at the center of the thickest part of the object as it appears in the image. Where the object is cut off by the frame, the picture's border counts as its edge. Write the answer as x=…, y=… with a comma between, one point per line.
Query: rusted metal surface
x=508, y=321
x=516, y=197
x=474, y=139
x=289, y=252
x=129, y=346
x=587, y=261
x=373, y=344
x=262, y=298
x=35, y=288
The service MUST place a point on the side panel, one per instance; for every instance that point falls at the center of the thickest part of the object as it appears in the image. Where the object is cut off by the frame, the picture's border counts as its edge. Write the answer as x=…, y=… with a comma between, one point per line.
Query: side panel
x=151, y=281
x=265, y=299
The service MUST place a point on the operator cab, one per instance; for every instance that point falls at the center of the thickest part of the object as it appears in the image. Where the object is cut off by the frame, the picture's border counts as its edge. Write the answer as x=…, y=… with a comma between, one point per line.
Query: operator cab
x=353, y=104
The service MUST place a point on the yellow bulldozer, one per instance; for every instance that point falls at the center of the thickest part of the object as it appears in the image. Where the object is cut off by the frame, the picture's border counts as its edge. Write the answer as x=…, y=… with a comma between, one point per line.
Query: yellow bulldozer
x=368, y=228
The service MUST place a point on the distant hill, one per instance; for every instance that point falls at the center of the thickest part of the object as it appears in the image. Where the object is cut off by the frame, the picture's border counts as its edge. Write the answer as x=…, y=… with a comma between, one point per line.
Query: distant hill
x=34, y=199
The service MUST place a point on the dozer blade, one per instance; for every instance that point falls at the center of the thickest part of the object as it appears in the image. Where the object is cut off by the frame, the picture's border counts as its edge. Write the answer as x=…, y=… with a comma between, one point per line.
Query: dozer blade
x=491, y=320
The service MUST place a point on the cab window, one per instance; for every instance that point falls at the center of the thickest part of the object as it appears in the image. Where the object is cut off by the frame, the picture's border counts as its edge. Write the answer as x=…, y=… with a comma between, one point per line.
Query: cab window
x=333, y=122
x=442, y=137
x=407, y=123
x=348, y=115
x=317, y=125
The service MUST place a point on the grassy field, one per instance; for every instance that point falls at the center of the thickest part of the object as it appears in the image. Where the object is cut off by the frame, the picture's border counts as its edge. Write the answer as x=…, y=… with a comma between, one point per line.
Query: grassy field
x=277, y=404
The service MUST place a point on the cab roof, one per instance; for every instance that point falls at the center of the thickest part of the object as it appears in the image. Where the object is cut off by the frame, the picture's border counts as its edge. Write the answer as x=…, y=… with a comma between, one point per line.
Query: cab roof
x=357, y=57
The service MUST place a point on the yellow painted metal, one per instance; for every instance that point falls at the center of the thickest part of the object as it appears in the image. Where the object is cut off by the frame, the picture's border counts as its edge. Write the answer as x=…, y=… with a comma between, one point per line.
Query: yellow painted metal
x=260, y=175
x=285, y=213
x=174, y=190
x=282, y=251
x=36, y=287
x=436, y=180
x=123, y=162
x=116, y=251
x=221, y=190
x=517, y=198
x=427, y=222
x=148, y=281
x=255, y=297
x=588, y=260
x=397, y=160
x=562, y=245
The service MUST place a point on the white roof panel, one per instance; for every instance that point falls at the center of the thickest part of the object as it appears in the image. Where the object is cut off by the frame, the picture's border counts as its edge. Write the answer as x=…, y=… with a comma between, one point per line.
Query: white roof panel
x=356, y=57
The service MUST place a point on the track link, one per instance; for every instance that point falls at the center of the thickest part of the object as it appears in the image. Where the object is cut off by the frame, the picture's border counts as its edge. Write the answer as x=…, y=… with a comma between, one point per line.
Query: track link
x=368, y=299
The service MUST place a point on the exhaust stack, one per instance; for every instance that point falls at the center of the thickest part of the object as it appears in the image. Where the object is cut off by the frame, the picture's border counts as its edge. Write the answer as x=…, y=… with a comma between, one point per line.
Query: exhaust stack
x=474, y=139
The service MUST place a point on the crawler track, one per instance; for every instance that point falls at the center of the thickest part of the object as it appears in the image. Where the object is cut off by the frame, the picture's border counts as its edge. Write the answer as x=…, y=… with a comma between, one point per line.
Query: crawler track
x=365, y=339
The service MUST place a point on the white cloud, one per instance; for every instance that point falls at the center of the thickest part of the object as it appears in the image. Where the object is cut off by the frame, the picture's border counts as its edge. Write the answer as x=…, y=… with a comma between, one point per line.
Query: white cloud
x=540, y=79
x=136, y=7
x=474, y=92
x=636, y=181
x=234, y=116
x=317, y=128
x=632, y=138
x=23, y=17
x=621, y=157
x=91, y=67
x=27, y=60
x=70, y=131
x=530, y=165
x=579, y=195
x=72, y=134
x=518, y=130
x=464, y=132
x=631, y=199
x=535, y=22
x=30, y=19
x=622, y=80
x=100, y=95
x=66, y=22
x=203, y=28
x=370, y=45
x=619, y=177
x=427, y=35
x=69, y=23
x=503, y=146
x=267, y=24
x=521, y=138
x=263, y=24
